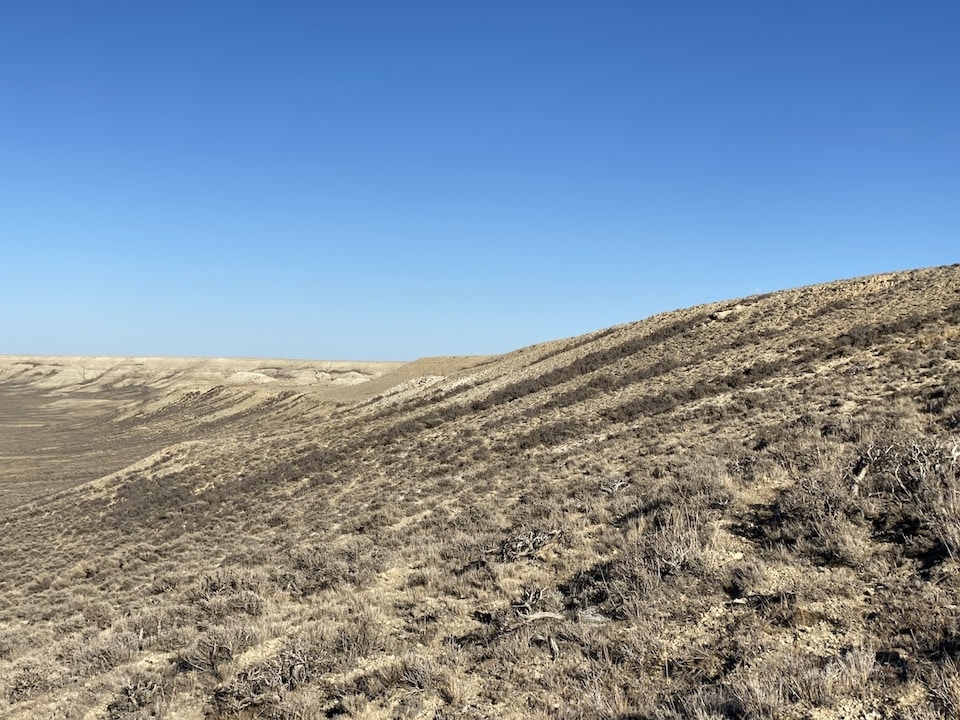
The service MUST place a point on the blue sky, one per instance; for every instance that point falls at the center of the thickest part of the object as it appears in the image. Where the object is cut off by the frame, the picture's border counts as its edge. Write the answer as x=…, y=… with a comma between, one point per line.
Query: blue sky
x=390, y=180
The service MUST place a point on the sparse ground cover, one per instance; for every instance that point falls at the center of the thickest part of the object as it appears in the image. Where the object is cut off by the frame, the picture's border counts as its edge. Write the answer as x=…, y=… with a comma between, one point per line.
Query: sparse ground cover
x=744, y=510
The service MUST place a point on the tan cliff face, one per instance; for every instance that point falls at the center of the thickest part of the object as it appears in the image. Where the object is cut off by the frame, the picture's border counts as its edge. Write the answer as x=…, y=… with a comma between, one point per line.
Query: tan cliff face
x=743, y=509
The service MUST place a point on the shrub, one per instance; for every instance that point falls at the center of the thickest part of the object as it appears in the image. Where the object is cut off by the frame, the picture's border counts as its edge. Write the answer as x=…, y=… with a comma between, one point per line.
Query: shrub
x=214, y=649
x=669, y=544
x=259, y=690
x=28, y=679
x=353, y=559
x=141, y=698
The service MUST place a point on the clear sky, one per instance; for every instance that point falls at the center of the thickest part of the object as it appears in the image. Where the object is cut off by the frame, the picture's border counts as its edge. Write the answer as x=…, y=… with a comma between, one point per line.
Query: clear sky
x=388, y=180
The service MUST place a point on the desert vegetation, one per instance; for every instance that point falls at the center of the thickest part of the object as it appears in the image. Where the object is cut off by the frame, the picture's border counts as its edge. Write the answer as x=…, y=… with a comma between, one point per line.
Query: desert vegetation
x=744, y=510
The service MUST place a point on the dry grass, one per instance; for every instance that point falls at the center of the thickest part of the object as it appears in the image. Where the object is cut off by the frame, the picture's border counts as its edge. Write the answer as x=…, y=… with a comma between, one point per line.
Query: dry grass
x=744, y=510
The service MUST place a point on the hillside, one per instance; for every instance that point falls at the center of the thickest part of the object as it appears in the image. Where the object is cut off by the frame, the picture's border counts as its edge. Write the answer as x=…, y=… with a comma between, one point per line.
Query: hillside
x=749, y=509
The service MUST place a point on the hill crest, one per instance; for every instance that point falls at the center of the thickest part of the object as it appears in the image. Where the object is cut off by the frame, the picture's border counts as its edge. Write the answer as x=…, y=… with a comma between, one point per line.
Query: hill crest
x=743, y=509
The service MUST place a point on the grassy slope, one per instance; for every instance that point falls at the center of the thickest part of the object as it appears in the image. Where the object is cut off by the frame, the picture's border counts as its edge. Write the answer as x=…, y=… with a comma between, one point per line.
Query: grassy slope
x=748, y=509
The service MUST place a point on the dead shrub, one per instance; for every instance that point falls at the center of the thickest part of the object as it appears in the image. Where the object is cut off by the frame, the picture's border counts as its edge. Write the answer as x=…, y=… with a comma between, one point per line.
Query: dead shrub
x=419, y=673
x=9, y=644
x=525, y=544
x=28, y=679
x=821, y=517
x=259, y=690
x=149, y=625
x=228, y=592
x=109, y=650
x=917, y=483
x=354, y=559
x=667, y=545
x=215, y=649
x=141, y=698
x=944, y=684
